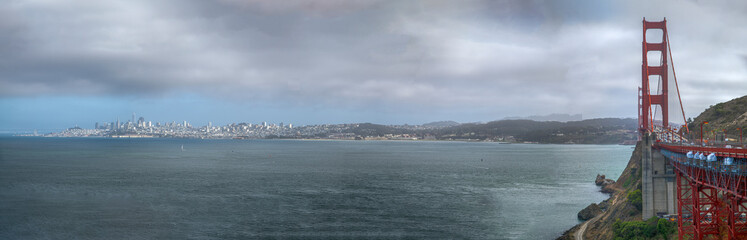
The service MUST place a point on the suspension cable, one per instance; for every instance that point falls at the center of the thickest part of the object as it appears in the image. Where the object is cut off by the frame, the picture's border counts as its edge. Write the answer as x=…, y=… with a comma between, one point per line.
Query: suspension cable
x=671, y=60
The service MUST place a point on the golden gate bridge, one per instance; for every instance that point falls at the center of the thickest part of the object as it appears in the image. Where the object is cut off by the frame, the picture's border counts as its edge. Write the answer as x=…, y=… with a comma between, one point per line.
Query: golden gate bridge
x=703, y=182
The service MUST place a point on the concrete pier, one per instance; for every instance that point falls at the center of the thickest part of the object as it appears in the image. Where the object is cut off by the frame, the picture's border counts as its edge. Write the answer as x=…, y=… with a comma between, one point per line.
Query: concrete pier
x=658, y=188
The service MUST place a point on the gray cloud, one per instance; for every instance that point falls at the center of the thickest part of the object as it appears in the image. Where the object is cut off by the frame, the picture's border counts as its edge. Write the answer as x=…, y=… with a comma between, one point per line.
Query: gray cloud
x=503, y=57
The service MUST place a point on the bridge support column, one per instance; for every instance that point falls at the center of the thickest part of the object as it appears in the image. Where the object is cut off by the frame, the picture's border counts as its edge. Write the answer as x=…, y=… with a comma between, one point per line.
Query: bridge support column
x=647, y=183
x=657, y=181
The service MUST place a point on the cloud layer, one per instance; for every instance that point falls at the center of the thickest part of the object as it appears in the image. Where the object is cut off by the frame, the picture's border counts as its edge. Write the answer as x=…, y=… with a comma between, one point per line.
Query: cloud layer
x=502, y=58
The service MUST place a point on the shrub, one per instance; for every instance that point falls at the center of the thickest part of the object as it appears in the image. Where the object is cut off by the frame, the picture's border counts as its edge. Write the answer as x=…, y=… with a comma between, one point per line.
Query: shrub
x=665, y=227
x=653, y=228
x=636, y=199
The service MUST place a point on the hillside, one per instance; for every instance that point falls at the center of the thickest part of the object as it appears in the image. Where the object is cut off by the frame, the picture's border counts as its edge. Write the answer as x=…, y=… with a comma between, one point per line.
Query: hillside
x=727, y=115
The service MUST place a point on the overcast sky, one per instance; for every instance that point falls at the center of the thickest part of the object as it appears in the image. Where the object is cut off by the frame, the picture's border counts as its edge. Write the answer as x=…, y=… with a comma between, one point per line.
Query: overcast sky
x=64, y=63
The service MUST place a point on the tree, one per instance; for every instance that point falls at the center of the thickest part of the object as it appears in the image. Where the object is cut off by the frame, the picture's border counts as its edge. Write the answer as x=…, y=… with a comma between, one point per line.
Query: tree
x=636, y=199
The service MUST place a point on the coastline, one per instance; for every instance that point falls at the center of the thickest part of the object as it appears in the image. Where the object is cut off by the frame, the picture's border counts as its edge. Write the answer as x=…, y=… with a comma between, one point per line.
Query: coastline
x=615, y=208
x=317, y=139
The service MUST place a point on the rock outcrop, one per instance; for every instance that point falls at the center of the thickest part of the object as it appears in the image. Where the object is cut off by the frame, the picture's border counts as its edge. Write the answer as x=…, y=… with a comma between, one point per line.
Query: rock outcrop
x=589, y=212
x=602, y=181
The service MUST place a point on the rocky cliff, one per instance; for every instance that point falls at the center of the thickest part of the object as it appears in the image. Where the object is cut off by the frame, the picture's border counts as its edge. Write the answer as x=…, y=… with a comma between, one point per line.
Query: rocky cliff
x=617, y=206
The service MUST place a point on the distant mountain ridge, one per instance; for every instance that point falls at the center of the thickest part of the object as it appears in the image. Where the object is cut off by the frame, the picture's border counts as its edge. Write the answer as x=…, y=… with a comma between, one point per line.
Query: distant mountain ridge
x=590, y=131
x=557, y=117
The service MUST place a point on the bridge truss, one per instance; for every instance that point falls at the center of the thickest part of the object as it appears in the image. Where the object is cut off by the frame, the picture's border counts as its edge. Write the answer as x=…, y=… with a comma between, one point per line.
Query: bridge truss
x=711, y=193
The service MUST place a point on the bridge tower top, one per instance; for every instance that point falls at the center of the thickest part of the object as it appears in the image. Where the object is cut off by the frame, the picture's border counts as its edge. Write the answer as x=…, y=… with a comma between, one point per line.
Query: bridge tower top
x=657, y=73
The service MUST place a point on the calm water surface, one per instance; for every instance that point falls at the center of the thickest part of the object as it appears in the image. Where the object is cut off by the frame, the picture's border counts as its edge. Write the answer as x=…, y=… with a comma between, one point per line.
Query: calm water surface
x=85, y=188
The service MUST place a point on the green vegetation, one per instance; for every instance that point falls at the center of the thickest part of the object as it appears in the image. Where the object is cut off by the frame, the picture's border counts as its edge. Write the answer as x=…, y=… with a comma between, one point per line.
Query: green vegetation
x=633, y=176
x=635, y=198
x=653, y=228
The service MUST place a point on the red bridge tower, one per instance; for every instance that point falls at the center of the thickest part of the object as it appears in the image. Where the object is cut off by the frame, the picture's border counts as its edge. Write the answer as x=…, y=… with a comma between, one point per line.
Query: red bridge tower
x=645, y=98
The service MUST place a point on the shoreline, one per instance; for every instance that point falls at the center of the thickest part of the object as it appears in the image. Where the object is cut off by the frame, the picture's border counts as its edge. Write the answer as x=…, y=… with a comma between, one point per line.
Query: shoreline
x=319, y=139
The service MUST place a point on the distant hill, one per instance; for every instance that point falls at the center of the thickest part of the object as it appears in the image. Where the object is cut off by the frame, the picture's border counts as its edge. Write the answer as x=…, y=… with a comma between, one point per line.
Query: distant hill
x=441, y=124
x=557, y=117
x=592, y=131
x=727, y=115
x=370, y=129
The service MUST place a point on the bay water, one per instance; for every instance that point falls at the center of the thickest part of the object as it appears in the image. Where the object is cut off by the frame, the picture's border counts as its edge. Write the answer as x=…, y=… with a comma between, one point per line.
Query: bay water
x=101, y=188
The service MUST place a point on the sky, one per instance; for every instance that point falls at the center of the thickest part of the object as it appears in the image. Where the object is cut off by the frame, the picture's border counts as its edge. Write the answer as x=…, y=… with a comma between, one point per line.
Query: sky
x=68, y=63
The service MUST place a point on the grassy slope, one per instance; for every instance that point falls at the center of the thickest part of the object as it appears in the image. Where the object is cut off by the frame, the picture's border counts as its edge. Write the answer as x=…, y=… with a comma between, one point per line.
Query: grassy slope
x=727, y=115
